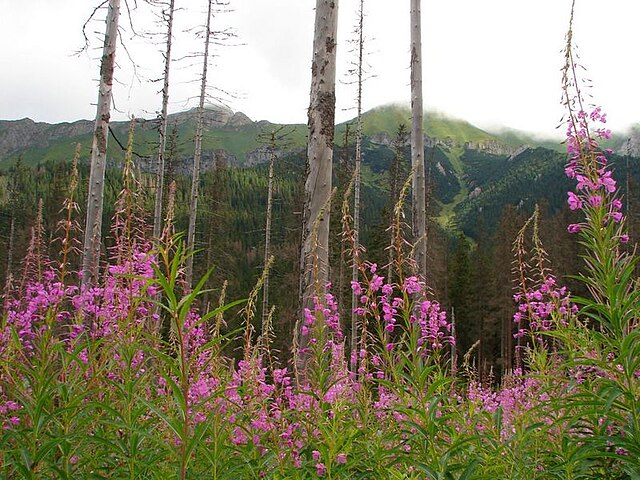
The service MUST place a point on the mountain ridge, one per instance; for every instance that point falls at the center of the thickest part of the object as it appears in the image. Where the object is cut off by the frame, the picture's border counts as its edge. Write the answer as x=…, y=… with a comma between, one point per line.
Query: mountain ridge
x=224, y=129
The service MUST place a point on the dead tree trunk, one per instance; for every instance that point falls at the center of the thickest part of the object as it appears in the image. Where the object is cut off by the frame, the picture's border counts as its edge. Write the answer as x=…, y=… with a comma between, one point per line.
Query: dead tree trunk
x=267, y=233
x=397, y=177
x=417, y=143
x=12, y=235
x=157, y=214
x=314, y=259
x=93, y=224
x=356, y=190
x=195, y=178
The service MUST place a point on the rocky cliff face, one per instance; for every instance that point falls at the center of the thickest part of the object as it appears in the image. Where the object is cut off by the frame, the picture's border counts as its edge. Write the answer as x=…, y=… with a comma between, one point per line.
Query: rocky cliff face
x=494, y=147
x=21, y=134
x=215, y=116
x=17, y=135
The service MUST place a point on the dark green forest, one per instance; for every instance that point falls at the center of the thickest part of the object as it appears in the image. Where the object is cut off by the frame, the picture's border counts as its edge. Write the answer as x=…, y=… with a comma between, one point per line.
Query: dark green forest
x=478, y=200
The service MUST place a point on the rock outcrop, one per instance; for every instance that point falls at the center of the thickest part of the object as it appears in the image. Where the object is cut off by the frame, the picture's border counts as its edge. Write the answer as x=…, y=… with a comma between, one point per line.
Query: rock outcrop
x=21, y=134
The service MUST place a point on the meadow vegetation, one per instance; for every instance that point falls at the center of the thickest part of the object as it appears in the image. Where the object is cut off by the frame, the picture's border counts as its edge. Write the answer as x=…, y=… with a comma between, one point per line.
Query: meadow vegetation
x=133, y=377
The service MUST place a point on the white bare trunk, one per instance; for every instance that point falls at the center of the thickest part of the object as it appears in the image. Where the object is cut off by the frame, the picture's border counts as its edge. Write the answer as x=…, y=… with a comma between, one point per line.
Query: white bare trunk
x=314, y=260
x=12, y=236
x=93, y=224
x=195, y=179
x=417, y=143
x=267, y=234
x=157, y=215
x=356, y=191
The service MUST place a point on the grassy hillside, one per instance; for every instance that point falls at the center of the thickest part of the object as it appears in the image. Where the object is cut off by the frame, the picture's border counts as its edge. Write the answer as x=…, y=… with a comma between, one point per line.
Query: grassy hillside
x=385, y=119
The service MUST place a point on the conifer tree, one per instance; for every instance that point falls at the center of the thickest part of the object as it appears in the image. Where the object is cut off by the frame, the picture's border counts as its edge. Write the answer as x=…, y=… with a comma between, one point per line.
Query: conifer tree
x=397, y=176
x=273, y=139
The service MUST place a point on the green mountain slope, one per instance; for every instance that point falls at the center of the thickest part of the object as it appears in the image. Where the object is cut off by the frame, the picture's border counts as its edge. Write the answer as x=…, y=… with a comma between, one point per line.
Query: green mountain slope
x=385, y=119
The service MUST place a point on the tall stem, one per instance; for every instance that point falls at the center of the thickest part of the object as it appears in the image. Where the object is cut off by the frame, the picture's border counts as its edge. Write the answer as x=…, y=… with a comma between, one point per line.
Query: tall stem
x=356, y=193
x=314, y=258
x=195, y=179
x=157, y=214
x=417, y=142
x=267, y=234
x=93, y=224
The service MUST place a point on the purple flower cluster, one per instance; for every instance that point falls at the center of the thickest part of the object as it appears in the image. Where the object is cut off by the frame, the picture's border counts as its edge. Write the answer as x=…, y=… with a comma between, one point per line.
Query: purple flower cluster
x=8, y=417
x=518, y=395
x=27, y=314
x=543, y=308
x=588, y=165
x=379, y=302
x=327, y=312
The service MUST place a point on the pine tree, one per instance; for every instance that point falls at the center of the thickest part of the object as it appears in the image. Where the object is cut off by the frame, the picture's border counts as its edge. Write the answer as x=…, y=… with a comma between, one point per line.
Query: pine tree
x=397, y=176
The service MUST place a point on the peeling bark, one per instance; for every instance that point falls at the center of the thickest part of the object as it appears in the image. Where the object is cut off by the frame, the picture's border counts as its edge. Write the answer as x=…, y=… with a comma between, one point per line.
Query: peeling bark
x=93, y=225
x=314, y=259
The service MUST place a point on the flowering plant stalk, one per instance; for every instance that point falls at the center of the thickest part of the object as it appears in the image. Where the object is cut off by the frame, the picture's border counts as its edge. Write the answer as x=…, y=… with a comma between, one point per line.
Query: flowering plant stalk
x=188, y=373
x=602, y=343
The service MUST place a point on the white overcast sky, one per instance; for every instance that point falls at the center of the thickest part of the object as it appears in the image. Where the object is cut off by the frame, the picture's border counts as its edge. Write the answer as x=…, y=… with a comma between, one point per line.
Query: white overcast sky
x=491, y=62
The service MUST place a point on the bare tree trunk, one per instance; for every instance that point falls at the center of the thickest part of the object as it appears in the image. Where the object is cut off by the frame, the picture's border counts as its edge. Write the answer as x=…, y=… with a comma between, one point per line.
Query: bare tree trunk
x=93, y=224
x=314, y=258
x=356, y=192
x=12, y=235
x=397, y=179
x=267, y=233
x=342, y=175
x=157, y=214
x=417, y=143
x=454, y=353
x=195, y=179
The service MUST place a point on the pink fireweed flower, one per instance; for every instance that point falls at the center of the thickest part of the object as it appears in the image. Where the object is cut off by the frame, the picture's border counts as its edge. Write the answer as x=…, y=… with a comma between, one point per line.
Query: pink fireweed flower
x=607, y=182
x=376, y=283
x=309, y=317
x=412, y=285
x=595, y=200
x=616, y=216
x=387, y=289
x=539, y=305
x=574, y=202
x=341, y=458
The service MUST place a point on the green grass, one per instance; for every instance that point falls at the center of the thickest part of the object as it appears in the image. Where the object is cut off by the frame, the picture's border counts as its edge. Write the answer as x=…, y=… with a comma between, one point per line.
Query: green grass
x=385, y=119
